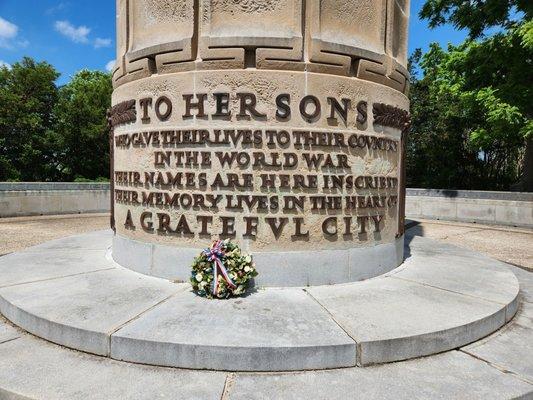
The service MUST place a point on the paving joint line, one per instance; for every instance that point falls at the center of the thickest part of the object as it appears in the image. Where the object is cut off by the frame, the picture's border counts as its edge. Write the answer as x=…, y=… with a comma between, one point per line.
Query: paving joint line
x=449, y=290
x=115, y=330
x=58, y=277
x=9, y=340
x=228, y=385
x=357, y=344
x=497, y=366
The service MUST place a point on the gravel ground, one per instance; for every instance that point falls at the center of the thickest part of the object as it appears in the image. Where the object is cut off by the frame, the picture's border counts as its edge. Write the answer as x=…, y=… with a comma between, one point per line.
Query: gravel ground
x=512, y=245
x=19, y=233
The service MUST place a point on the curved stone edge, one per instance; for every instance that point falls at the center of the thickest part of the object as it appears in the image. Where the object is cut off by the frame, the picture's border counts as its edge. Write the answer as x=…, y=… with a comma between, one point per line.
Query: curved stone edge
x=83, y=312
x=242, y=359
x=276, y=269
x=410, y=279
x=369, y=351
x=32, y=369
x=405, y=348
x=75, y=338
x=271, y=330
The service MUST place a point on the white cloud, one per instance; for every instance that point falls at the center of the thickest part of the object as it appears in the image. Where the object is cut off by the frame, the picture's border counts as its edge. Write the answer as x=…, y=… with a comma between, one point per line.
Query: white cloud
x=4, y=64
x=99, y=42
x=76, y=34
x=57, y=8
x=110, y=65
x=8, y=31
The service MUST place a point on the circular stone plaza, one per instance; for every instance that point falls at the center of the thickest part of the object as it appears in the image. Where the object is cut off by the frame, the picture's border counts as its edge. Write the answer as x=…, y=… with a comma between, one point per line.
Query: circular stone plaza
x=280, y=125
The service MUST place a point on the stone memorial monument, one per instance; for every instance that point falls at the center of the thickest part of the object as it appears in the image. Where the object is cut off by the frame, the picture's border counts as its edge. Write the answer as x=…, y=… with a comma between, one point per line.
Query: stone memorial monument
x=279, y=124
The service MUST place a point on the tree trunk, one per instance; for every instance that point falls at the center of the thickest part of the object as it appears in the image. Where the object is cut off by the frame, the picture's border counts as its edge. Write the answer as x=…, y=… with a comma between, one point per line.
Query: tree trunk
x=526, y=182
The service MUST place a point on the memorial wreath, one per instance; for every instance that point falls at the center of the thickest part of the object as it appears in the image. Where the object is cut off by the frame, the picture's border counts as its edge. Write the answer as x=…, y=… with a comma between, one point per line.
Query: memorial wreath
x=222, y=271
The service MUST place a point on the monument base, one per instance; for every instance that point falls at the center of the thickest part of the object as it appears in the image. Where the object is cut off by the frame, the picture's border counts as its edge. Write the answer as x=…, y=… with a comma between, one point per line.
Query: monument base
x=278, y=269
x=70, y=292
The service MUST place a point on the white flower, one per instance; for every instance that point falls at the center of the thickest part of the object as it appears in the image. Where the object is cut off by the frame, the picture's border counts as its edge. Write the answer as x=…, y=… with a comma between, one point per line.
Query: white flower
x=247, y=269
x=199, y=277
x=248, y=259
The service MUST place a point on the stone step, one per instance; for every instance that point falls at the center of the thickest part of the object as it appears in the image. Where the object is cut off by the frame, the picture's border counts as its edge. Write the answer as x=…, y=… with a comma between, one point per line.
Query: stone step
x=33, y=369
x=442, y=297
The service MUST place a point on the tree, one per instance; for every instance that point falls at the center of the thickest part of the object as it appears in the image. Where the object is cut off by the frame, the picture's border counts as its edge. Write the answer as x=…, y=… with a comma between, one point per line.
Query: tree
x=489, y=81
x=438, y=155
x=27, y=96
x=81, y=125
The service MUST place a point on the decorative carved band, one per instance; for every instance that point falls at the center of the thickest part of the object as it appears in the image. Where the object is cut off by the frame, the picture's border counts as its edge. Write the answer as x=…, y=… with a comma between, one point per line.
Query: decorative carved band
x=394, y=117
x=324, y=36
x=122, y=113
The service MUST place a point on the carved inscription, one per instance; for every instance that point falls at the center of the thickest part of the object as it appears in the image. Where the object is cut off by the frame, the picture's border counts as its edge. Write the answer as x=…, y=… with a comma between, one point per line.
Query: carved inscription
x=257, y=182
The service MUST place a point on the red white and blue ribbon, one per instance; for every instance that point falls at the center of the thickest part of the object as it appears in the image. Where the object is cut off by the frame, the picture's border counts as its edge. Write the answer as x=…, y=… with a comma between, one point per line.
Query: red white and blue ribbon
x=215, y=254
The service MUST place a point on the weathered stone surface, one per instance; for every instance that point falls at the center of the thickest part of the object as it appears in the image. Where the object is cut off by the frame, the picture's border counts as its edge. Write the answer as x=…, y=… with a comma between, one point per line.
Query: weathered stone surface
x=393, y=319
x=160, y=37
x=36, y=370
x=458, y=270
x=526, y=284
x=7, y=332
x=82, y=311
x=286, y=135
x=511, y=348
x=278, y=269
x=133, y=254
x=449, y=376
x=48, y=201
x=35, y=265
x=500, y=208
x=390, y=318
x=96, y=240
x=270, y=330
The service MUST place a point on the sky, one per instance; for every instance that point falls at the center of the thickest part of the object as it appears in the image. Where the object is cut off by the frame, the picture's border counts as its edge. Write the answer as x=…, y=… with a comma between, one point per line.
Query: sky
x=76, y=34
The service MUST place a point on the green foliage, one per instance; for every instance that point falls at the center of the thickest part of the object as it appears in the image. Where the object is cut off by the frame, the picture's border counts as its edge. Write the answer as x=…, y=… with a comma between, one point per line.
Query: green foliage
x=474, y=100
x=476, y=16
x=27, y=97
x=49, y=133
x=82, y=127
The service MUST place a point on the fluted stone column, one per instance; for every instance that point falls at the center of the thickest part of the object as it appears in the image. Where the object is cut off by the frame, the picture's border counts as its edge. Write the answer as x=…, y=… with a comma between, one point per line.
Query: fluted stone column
x=277, y=123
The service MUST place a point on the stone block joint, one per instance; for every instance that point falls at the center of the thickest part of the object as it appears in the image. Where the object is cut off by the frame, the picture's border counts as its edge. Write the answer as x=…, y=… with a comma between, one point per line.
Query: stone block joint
x=365, y=40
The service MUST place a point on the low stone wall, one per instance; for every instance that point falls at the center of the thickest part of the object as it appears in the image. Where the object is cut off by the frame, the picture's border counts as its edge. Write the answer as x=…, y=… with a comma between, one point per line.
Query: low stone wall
x=500, y=208
x=43, y=198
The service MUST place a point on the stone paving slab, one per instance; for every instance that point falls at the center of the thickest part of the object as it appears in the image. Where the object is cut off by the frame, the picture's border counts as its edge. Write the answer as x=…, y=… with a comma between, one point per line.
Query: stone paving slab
x=511, y=348
x=526, y=284
x=96, y=240
x=7, y=332
x=82, y=311
x=450, y=376
x=392, y=319
x=33, y=369
x=32, y=266
x=270, y=330
x=458, y=270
